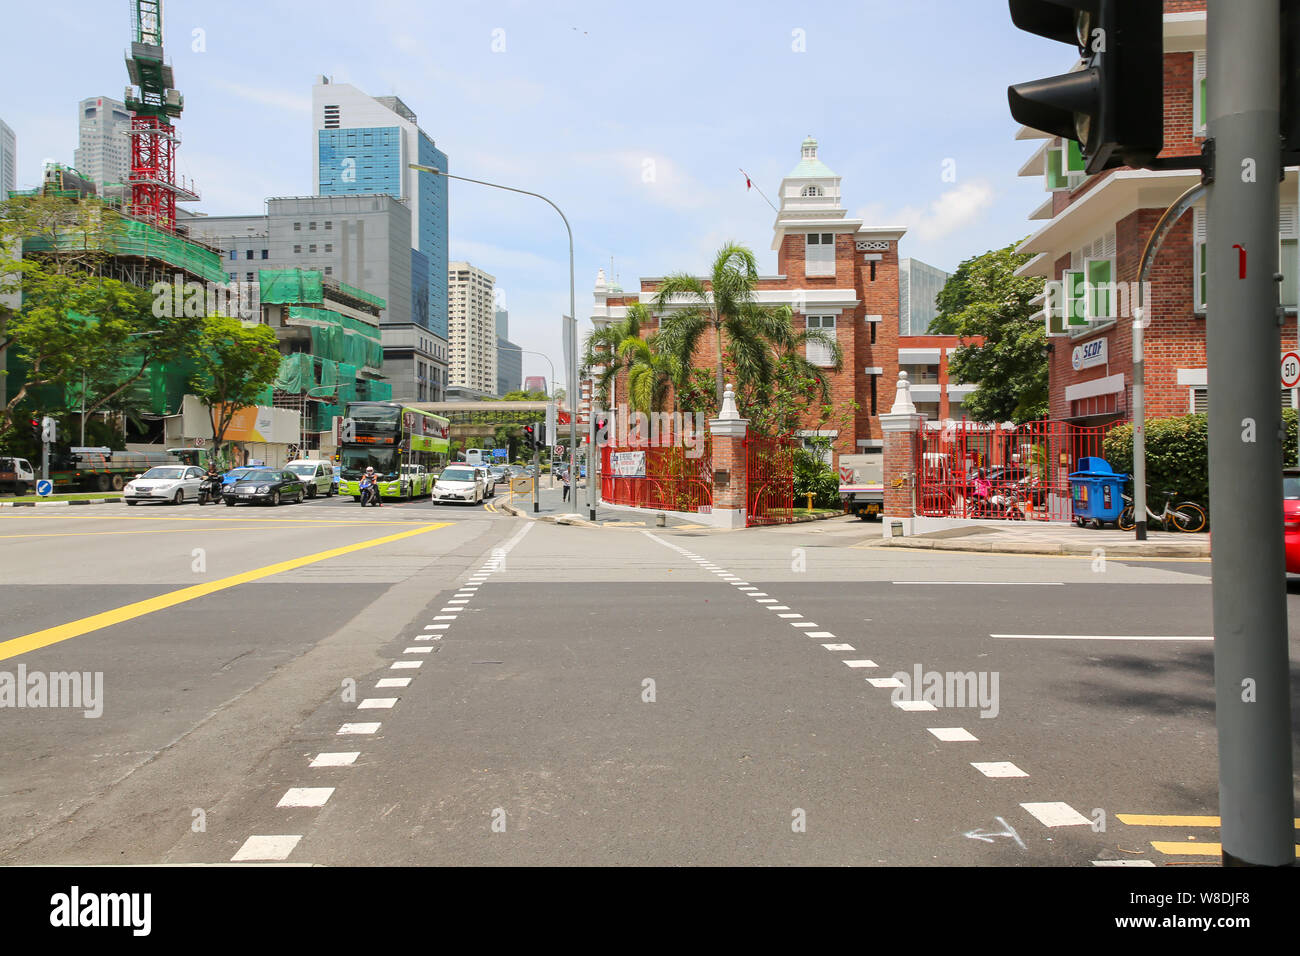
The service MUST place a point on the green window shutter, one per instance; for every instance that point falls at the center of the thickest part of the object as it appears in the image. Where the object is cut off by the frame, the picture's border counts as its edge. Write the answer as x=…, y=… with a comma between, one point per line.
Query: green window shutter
x=1056, y=177
x=1202, y=88
x=1288, y=263
x=1100, y=295
x=1073, y=157
x=1054, y=306
x=1074, y=296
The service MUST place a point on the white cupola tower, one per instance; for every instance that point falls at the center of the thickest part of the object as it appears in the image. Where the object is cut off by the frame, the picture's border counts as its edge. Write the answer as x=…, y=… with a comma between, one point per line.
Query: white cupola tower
x=810, y=190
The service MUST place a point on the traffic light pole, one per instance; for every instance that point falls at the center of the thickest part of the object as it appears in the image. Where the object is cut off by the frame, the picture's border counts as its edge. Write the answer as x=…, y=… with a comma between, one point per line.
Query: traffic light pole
x=593, y=465
x=537, y=476
x=1243, y=339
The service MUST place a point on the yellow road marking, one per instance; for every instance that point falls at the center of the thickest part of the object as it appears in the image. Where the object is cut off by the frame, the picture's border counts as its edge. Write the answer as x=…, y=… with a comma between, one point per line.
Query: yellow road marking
x=1196, y=849
x=1171, y=820
x=63, y=632
x=315, y=521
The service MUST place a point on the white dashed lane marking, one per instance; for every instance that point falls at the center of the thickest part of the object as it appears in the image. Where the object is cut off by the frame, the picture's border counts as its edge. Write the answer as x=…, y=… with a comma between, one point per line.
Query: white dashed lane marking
x=361, y=728
x=999, y=768
x=1056, y=814
x=340, y=759
x=839, y=647
x=861, y=663
x=947, y=734
x=306, y=797
x=884, y=682
x=912, y=705
x=403, y=665
x=265, y=848
x=377, y=703
x=393, y=682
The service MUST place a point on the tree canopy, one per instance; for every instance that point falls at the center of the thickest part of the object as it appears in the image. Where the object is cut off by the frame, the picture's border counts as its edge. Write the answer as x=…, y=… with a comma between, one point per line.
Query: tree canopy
x=985, y=299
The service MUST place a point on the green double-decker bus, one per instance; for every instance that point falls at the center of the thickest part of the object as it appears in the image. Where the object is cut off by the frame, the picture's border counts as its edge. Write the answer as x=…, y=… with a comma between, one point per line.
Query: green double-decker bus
x=407, y=448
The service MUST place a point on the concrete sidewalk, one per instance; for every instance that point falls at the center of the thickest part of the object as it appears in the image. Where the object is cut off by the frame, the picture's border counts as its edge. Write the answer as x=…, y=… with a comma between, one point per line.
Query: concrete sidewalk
x=553, y=508
x=1041, y=537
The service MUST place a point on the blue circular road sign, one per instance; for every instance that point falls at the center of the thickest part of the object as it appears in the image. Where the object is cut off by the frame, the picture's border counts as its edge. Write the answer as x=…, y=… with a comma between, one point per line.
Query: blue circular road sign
x=44, y=487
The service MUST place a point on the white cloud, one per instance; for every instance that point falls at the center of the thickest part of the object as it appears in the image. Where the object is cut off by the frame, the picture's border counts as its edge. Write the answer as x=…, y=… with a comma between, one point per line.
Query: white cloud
x=950, y=212
x=279, y=99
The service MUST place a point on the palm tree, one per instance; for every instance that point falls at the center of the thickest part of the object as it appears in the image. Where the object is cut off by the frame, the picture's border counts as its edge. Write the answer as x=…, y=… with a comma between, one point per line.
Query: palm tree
x=603, y=347
x=651, y=374
x=757, y=335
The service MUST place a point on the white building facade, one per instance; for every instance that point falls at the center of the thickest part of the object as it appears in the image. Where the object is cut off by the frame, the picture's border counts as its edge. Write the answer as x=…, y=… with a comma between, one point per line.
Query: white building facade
x=103, y=153
x=471, y=328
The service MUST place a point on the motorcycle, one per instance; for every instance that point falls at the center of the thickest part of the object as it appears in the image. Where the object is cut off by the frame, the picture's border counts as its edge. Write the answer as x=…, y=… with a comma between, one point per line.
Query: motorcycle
x=210, y=490
x=369, y=493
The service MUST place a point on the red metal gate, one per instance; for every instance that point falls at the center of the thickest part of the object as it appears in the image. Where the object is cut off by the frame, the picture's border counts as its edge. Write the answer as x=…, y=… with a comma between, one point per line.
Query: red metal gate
x=1025, y=469
x=669, y=478
x=769, y=472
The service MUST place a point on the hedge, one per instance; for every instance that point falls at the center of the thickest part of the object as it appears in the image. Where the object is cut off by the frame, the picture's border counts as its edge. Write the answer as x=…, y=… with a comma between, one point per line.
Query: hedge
x=1178, y=455
x=812, y=475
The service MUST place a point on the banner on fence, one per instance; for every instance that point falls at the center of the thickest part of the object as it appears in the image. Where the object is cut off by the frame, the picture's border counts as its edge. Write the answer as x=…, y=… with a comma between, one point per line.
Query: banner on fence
x=627, y=464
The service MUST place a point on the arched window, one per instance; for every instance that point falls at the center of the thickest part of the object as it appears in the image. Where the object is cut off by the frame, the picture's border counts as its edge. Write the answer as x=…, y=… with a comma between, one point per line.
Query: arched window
x=810, y=191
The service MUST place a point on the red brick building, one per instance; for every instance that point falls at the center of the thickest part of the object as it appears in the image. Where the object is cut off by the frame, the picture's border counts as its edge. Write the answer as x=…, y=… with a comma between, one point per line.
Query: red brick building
x=1091, y=246
x=838, y=275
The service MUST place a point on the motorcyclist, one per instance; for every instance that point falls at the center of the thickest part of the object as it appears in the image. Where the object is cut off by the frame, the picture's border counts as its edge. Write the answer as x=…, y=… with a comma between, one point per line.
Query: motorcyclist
x=213, y=479
x=370, y=488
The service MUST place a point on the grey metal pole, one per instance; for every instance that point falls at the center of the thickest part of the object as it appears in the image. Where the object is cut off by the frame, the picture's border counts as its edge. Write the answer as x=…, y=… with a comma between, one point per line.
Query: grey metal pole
x=1243, y=340
x=593, y=464
x=1141, y=318
x=537, y=477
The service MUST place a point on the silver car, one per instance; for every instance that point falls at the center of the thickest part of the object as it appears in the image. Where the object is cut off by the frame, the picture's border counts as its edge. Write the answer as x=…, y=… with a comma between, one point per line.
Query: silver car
x=171, y=483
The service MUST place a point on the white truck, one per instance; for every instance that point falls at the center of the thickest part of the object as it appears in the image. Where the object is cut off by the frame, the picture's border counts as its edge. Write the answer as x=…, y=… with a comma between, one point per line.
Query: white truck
x=862, y=484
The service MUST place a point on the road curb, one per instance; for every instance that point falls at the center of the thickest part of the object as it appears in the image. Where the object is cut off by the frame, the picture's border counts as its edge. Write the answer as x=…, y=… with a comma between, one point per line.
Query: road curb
x=55, y=504
x=1127, y=550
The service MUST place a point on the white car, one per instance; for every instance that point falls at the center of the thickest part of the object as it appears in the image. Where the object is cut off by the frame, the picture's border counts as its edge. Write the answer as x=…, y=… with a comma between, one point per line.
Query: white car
x=459, y=483
x=489, y=483
x=317, y=477
x=171, y=483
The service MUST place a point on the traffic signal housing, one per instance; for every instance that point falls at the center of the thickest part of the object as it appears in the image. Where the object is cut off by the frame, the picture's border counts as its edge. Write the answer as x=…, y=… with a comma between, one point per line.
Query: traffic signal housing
x=530, y=436
x=36, y=430
x=1113, y=105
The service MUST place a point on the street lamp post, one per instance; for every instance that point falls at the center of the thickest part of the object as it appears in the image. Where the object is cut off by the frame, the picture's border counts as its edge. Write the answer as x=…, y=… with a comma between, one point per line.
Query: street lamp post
x=571, y=330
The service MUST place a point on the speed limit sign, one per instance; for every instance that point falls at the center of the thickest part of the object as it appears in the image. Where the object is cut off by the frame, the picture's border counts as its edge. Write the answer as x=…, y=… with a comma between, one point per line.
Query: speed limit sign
x=1290, y=369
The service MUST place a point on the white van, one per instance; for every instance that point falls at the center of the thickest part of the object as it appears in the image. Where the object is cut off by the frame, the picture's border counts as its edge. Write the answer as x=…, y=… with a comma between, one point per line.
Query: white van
x=317, y=477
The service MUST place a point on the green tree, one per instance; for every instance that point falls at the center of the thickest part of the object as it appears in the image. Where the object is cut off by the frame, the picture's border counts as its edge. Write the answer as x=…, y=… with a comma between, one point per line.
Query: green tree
x=652, y=374
x=751, y=334
x=984, y=298
x=603, y=349
x=235, y=365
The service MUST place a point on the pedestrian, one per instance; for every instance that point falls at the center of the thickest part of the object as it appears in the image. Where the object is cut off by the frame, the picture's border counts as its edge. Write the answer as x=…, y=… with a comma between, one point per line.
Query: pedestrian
x=568, y=483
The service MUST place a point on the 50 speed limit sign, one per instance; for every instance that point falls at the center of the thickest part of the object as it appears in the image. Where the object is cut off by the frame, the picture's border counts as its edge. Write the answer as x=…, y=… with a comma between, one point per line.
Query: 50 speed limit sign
x=1290, y=369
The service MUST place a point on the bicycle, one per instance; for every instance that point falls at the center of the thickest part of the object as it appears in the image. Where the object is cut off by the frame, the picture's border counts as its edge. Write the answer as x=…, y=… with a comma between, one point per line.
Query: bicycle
x=1186, y=516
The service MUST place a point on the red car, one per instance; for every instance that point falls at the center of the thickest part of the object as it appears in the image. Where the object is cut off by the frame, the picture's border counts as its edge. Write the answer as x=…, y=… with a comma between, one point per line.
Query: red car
x=1291, y=518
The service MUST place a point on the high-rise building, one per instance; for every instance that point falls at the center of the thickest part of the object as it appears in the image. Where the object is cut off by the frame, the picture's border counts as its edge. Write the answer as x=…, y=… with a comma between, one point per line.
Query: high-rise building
x=8, y=160
x=536, y=383
x=918, y=287
x=510, y=360
x=361, y=241
x=472, y=338
x=103, y=153
x=363, y=144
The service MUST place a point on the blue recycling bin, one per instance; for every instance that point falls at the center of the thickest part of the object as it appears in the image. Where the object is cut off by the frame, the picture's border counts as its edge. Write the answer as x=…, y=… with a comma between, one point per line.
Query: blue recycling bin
x=1096, y=491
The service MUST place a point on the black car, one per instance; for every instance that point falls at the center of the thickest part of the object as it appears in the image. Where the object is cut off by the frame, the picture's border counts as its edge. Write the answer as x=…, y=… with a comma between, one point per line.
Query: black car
x=270, y=485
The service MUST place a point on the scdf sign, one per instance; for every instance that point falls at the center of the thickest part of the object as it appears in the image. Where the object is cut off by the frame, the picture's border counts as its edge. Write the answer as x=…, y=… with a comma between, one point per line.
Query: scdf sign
x=1089, y=354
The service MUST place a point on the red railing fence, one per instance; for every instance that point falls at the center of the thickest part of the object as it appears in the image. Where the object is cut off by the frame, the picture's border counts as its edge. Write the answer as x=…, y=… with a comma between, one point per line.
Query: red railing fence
x=1024, y=469
x=769, y=472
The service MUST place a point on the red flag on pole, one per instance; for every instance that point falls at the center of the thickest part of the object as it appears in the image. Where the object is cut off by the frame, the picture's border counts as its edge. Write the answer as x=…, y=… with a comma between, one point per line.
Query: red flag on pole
x=748, y=184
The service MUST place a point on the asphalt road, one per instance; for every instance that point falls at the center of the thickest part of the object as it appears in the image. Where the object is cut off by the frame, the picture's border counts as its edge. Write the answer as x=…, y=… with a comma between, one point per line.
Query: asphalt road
x=449, y=685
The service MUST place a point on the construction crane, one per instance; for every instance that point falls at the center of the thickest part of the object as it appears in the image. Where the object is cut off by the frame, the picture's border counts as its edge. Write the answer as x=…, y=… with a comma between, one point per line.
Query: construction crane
x=153, y=103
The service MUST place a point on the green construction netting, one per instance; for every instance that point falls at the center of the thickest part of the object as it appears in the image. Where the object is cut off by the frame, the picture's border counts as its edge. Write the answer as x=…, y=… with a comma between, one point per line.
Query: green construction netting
x=142, y=239
x=363, y=295
x=290, y=285
x=341, y=338
x=297, y=373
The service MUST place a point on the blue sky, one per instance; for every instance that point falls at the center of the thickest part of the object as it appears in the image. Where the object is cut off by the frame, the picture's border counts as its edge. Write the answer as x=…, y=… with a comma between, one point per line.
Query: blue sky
x=634, y=118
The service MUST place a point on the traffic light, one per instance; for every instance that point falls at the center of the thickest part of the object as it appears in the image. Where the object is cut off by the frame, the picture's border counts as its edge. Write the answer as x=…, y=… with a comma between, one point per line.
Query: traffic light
x=529, y=436
x=49, y=430
x=540, y=430
x=602, y=430
x=1113, y=107
x=36, y=430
